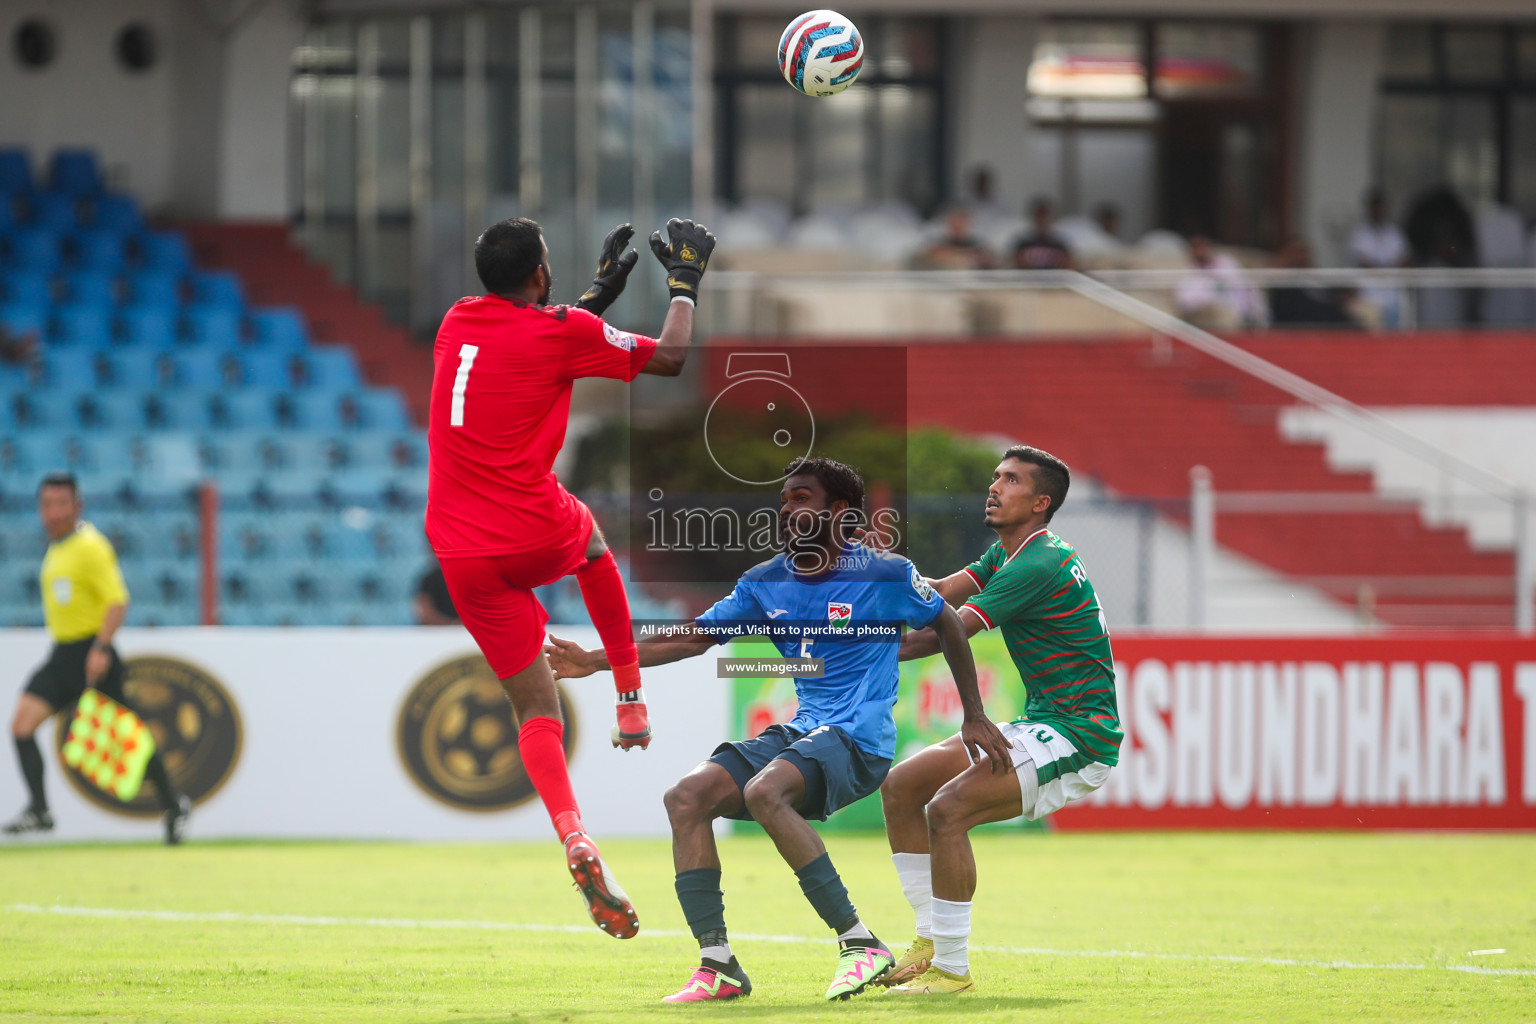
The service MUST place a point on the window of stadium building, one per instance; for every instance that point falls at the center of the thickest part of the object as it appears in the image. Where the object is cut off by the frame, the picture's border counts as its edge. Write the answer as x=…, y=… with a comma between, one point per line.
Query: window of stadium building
x=888, y=124
x=1458, y=108
x=416, y=131
x=1179, y=123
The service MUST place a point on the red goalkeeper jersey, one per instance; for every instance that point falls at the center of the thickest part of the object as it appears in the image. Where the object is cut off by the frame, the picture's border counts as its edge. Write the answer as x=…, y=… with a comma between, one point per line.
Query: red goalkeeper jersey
x=501, y=395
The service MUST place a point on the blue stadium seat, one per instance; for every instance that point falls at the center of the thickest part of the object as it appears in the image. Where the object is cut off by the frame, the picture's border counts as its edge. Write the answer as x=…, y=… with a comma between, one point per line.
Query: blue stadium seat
x=180, y=411
x=156, y=288
x=330, y=368
x=24, y=318
x=15, y=171
x=354, y=486
x=116, y=213
x=318, y=412
x=280, y=327
x=408, y=481
x=81, y=326
x=111, y=410
x=55, y=211
x=112, y=480
x=266, y=368
x=136, y=369
x=97, y=287
x=382, y=409
x=165, y=250
x=74, y=171
x=203, y=369
x=287, y=488
x=347, y=544
x=148, y=328
x=7, y=212
x=98, y=250
x=214, y=326
x=40, y=411
x=70, y=370
x=34, y=249
x=218, y=288
x=245, y=410
x=26, y=287
x=41, y=452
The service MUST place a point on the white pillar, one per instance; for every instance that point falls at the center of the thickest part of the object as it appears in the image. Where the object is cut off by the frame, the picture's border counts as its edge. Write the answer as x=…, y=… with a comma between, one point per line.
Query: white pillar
x=1202, y=545
x=1525, y=565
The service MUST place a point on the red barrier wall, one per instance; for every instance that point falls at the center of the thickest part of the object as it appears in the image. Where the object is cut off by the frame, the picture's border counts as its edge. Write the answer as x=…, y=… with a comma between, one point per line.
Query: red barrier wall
x=1391, y=732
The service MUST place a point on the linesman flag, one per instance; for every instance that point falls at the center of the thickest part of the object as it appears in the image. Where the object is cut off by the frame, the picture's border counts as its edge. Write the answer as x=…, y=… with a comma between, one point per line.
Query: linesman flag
x=109, y=745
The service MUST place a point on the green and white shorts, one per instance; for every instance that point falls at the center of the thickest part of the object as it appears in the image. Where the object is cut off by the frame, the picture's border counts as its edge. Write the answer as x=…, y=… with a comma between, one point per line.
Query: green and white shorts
x=1052, y=771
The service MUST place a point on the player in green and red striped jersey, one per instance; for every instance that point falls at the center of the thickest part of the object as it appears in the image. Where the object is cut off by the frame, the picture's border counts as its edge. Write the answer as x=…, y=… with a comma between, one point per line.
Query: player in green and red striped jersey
x=1032, y=586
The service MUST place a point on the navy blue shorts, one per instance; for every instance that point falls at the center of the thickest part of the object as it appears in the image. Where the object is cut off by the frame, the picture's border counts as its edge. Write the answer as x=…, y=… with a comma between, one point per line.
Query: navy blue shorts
x=836, y=771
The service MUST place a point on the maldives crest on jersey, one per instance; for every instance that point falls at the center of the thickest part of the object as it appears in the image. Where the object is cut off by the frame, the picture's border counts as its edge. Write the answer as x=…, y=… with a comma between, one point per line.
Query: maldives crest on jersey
x=618, y=338
x=839, y=614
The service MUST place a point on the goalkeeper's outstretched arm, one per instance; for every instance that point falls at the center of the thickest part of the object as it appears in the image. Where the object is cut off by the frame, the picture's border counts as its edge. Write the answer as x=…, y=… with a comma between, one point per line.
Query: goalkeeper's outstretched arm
x=684, y=255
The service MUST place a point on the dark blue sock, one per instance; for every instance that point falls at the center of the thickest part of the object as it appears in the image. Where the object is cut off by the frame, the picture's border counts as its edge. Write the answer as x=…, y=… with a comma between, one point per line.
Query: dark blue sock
x=698, y=890
x=828, y=894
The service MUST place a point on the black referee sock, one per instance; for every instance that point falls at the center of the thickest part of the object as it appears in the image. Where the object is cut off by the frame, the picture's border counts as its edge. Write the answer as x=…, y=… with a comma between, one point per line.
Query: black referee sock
x=155, y=772
x=32, y=770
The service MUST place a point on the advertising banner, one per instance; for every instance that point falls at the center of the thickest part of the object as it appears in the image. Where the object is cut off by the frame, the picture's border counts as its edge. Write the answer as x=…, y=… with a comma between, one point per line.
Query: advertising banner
x=1387, y=732
x=1285, y=732
x=363, y=733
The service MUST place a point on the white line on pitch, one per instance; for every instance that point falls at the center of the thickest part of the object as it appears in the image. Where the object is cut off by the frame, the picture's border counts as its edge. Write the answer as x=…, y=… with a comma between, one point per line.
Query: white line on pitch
x=230, y=916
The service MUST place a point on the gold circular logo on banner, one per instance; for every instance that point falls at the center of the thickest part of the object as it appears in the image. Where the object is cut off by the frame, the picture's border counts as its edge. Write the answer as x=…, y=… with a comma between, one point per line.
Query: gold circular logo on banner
x=458, y=740
x=196, y=727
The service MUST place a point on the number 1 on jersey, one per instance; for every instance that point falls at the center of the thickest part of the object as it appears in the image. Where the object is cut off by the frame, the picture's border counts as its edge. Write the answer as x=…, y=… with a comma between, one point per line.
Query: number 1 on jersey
x=467, y=355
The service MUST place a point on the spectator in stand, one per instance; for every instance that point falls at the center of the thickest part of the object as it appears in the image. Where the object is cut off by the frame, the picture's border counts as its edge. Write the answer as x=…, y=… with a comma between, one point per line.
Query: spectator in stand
x=1107, y=217
x=1214, y=294
x=1378, y=243
x=957, y=249
x=1441, y=233
x=982, y=204
x=1306, y=306
x=1042, y=248
x=432, y=602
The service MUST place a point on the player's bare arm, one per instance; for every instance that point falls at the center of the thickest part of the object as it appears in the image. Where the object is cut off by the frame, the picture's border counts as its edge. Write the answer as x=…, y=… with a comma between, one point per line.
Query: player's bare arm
x=977, y=732
x=684, y=254
x=924, y=643
x=956, y=588
x=99, y=660
x=569, y=660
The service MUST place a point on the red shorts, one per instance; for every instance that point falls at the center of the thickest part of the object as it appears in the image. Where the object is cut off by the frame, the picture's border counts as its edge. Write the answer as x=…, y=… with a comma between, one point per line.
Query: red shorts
x=493, y=595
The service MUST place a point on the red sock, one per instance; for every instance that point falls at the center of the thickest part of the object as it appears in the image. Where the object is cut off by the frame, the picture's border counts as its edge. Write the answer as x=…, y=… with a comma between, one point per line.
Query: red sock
x=602, y=590
x=539, y=744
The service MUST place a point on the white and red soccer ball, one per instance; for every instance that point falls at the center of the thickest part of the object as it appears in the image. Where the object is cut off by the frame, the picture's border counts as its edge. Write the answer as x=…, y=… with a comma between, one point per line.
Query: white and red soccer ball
x=821, y=53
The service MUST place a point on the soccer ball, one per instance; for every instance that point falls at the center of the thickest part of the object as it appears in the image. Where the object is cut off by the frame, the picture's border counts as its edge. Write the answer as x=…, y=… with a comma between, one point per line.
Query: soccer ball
x=821, y=53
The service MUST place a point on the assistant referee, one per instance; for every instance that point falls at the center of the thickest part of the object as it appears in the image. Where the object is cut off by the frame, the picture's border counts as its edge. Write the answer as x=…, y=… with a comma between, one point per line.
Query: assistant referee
x=84, y=602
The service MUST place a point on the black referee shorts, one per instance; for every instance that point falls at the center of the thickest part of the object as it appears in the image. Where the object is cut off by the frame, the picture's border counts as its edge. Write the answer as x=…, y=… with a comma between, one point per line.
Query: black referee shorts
x=61, y=679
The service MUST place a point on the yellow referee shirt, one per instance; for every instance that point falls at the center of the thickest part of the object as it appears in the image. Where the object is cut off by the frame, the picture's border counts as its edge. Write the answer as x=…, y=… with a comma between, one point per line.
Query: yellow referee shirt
x=80, y=581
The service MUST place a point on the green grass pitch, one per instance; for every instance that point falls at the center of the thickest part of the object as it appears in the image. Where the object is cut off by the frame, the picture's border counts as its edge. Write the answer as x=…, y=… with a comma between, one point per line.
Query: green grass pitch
x=1070, y=928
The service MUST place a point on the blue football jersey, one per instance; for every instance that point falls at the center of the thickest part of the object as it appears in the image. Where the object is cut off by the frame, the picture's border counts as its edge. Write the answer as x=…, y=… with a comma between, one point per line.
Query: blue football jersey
x=851, y=617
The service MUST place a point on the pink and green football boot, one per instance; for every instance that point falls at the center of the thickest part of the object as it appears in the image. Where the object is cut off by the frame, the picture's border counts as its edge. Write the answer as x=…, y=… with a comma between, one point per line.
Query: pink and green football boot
x=713, y=980
x=859, y=965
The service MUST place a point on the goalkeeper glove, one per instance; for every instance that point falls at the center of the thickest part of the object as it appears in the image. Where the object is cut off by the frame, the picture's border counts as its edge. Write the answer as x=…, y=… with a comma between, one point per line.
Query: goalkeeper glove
x=613, y=267
x=685, y=256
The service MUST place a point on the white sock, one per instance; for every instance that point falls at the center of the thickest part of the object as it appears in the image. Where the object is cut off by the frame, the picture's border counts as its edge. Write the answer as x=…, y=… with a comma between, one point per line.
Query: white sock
x=858, y=931
x=632, y=697
x=951, y=929
x=719, y=954
x=915, y=870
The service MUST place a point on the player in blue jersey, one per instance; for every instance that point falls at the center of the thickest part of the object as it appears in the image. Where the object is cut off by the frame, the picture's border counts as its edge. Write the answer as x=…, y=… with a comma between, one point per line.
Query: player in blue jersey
x=843, y=603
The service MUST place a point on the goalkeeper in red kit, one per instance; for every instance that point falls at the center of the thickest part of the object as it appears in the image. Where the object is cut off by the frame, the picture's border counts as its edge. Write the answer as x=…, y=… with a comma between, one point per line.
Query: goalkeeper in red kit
x=499, y=521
